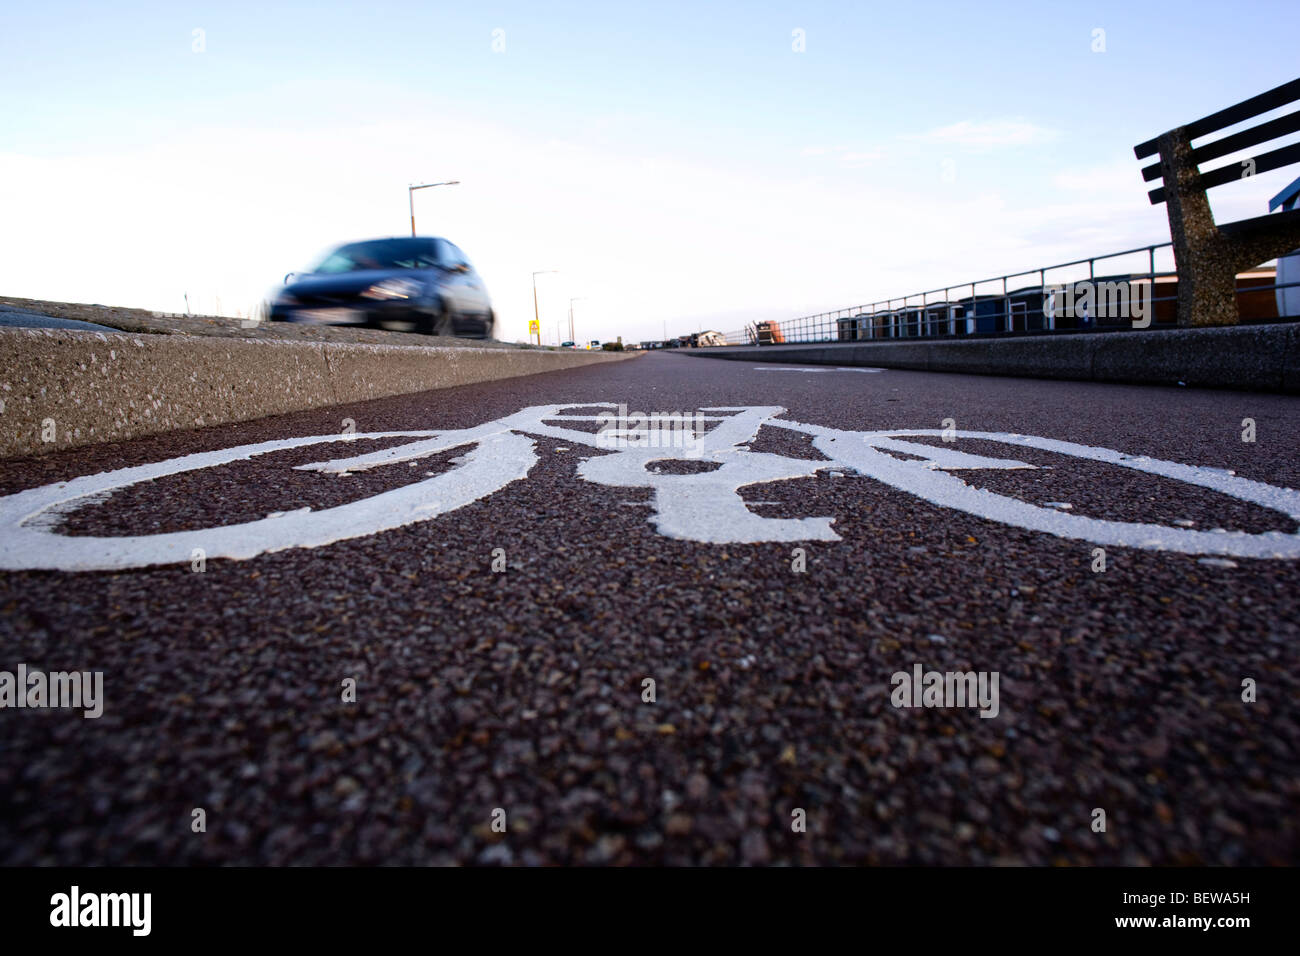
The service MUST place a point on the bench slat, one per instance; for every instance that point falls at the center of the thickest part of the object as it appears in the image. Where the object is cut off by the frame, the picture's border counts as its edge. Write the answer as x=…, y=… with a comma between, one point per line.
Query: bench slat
x=1230, y=144
x=1265, y=162
x=1271, y=100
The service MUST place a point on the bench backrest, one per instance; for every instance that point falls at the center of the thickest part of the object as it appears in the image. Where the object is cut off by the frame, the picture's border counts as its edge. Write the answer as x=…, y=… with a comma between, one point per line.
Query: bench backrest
x=1263, y=133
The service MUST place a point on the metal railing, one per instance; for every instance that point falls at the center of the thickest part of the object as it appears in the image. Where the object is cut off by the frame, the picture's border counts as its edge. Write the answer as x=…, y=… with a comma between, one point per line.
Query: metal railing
x=1147, y=297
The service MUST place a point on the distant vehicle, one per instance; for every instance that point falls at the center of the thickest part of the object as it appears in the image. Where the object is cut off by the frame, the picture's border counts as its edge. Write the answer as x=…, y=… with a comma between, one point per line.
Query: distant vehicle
x=768, y=333
x=594, y=344
x=709, y=339
x=568, y=345
x=422, y=283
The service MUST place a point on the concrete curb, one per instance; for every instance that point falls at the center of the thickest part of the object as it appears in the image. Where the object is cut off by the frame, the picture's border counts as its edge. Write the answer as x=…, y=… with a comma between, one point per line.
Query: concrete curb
x=81, y=388
x=1259, y=358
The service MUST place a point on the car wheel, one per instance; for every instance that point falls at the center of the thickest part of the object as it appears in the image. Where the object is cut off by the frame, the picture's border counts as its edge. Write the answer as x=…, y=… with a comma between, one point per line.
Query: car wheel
x=437, y=321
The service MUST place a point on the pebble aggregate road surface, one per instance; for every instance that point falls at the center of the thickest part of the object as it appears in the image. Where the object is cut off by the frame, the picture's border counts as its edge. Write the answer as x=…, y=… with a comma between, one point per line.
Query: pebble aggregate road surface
x=39, y=313
x=522, y=692
x=22, y=319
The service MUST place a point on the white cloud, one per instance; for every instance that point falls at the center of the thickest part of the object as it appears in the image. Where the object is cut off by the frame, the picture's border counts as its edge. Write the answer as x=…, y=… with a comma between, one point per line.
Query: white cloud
x=860, y=159
x=1116, y=177
x=993, y=134
x=845, y=156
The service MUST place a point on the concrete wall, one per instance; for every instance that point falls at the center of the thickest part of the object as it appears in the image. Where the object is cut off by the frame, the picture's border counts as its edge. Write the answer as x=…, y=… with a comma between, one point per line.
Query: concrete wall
x=1253, y=358
x=90, y=387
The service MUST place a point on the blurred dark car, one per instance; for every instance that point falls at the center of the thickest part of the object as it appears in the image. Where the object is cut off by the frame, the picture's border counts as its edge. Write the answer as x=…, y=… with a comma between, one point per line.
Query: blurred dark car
x=420, y=283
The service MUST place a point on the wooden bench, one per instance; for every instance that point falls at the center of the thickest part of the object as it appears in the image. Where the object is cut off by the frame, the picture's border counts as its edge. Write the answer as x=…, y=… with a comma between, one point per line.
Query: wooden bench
x=1209, y=255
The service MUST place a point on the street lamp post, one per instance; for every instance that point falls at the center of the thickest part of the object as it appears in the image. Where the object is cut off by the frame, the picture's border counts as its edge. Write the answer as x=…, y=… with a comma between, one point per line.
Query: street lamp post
x=410, y=195
x=537, y=319
x=571, y=301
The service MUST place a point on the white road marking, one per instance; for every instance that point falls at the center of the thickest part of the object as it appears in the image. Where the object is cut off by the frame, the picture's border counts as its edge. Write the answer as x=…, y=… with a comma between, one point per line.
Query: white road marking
x=703, y=506
x=926, y=480
x=782, y=368
x=28, y=545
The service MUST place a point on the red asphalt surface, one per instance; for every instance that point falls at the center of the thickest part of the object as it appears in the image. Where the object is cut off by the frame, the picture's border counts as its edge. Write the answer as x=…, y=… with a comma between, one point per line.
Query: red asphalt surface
x=521, y=692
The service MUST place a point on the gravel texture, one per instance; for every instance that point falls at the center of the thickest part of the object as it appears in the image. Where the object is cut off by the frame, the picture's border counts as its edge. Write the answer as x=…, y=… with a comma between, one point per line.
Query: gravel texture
x=523, y=691
x=22, y=319
x=168, y=323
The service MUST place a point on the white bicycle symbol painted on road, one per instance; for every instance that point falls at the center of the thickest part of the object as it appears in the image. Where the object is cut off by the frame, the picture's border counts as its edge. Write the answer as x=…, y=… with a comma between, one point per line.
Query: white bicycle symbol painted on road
x=703, y=507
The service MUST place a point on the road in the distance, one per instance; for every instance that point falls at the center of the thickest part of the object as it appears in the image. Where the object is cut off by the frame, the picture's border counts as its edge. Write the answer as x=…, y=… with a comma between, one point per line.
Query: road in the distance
x=523, y=691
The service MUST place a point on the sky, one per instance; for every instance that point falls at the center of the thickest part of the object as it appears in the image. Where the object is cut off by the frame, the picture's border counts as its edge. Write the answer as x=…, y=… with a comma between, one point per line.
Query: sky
x=683, y=166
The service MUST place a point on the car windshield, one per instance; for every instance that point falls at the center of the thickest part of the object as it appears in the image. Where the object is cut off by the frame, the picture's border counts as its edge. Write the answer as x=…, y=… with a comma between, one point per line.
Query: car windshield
x=380, y=254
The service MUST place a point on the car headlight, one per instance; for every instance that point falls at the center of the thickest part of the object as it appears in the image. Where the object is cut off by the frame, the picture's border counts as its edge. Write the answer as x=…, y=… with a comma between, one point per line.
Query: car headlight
x=392, y=289
x=286, y=299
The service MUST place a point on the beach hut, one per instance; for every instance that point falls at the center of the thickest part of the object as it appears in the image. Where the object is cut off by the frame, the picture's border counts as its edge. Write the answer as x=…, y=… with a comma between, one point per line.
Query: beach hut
x=1288, y=267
